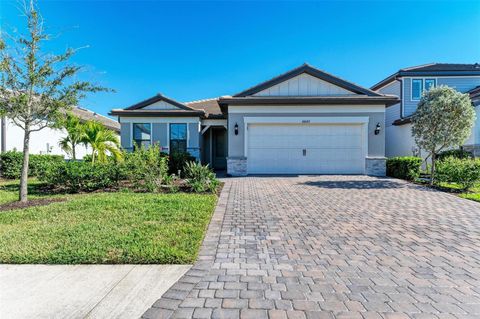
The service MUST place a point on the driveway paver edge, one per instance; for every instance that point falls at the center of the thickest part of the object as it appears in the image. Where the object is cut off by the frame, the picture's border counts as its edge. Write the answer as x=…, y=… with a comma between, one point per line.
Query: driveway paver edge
x=164, y=307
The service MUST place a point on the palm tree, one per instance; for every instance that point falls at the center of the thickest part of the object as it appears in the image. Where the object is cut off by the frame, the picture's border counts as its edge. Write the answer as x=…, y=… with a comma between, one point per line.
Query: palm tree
x=102, y=141
x=75, y=131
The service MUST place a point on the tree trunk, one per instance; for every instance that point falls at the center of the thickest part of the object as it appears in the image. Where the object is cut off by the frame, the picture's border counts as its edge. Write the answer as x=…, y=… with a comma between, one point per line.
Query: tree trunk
x=432, y=171
x=24, y=175
x=74, y=157
x=93, y=157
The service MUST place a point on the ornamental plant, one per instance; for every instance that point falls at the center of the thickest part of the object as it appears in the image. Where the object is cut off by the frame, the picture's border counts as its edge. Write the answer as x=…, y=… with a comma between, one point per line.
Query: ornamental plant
x=444, y=119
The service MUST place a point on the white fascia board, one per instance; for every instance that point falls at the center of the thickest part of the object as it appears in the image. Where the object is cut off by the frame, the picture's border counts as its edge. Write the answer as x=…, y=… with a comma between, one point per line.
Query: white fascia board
x=219, y=122
x=307, y=120
x=306, y=109
x=126, y=119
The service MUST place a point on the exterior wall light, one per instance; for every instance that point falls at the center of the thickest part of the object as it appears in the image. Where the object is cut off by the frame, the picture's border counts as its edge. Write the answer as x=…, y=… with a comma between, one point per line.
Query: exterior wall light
x=236, y=128
x=377, y=129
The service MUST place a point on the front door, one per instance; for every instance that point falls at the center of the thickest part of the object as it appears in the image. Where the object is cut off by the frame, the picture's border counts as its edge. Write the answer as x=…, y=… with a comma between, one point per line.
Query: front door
x=219, y=148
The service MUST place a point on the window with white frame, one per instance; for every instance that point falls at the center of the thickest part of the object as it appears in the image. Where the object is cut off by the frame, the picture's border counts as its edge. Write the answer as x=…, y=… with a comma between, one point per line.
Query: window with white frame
x=421, y=85
x=178, y=137
x=417, y=89
x=142, y=134
x=430, y=83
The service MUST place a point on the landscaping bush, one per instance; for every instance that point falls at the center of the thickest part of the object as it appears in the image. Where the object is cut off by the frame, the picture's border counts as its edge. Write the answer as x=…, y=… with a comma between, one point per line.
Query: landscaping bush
x=458, y=153
x=76, y=176
x=407, y=167
x=464, y=172
x=147, y=169
x=11, y=163
x=200, y=177
x=177, y=161
x=39, y=162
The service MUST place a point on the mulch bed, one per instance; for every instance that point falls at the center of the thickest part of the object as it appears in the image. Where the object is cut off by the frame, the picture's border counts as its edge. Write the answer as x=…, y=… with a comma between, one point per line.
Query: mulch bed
x=31, y=203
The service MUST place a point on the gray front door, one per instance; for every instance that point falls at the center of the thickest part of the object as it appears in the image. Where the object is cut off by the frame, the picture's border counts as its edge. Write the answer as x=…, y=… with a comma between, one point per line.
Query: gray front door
x=219, y=148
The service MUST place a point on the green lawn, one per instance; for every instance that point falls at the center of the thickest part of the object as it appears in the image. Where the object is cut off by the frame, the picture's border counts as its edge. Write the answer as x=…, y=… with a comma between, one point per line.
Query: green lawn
x=9, y=190
x=105, y=228
x=472, y=194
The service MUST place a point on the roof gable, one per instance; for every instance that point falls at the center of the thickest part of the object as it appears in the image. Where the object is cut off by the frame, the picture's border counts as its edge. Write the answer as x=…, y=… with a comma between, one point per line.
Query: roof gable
x=304, y=81
x=304, y=85
x=159, y=102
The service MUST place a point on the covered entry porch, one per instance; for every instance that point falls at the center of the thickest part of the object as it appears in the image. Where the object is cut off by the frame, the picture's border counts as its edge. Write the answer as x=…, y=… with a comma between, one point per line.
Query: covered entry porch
x=214, y=143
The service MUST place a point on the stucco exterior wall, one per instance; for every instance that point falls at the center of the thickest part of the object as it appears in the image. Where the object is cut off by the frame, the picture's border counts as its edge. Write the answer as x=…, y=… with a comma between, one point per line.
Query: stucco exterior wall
x=44, y=141
x=161, y=133
x=376, y=143
x=399, y=141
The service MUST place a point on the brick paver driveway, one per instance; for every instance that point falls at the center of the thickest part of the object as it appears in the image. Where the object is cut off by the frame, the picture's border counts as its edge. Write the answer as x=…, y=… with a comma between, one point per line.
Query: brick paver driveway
x=333, y=247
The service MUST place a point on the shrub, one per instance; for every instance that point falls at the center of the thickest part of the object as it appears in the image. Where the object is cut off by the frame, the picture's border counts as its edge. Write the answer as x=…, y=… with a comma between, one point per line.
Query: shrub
x=464, y=172
x=407, y=167
x=177, y=161
x=76, y=176
x=458, y=153
x=39, y=162
x=11, y=163
x=147, y=169
x=200, y=177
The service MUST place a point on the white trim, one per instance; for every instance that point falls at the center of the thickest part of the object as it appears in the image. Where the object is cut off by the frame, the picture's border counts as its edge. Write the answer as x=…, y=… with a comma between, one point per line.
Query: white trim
x=160, y=120
x=233, y=109
x=131, y=135
x=220, y=122
x=204, y=129
x=402, y=100
x=411, y=89
x=131, y=130
x=168, y=138
x=423, y=85
x=363, y=120
x=310, y=119
x=441, y=76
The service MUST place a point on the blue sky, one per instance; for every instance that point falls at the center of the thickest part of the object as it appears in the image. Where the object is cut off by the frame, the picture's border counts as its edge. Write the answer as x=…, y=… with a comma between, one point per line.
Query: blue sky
x=196, y=50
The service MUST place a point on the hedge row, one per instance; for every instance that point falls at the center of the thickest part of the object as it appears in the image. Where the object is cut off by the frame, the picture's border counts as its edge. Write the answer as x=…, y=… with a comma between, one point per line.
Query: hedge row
x=407, y=167
x=11, y=163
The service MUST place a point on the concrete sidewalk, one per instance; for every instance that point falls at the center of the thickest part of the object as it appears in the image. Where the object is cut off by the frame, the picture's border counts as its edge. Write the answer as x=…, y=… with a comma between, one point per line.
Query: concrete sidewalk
x=83, y=291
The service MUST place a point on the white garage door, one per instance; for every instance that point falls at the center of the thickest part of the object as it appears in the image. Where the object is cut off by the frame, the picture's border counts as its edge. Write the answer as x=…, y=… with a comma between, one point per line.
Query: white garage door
x=305, y=149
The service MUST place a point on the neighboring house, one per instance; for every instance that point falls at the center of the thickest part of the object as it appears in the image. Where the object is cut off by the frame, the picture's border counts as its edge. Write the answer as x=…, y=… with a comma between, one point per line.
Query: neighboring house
x=46, y=140
x=303, y=121
x=409, y=84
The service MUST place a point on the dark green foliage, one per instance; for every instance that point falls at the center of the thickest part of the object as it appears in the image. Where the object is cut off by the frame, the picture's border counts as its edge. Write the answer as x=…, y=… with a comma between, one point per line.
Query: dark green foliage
x=200, y=178
x=407, y=167
x=177, y=161
x=11, y=163
x=76, y=176
x=458, y=153
x=464, y=172
x=147, y=169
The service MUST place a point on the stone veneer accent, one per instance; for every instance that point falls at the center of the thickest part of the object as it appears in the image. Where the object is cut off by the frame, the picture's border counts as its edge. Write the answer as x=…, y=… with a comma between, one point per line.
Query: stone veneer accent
x=376, y=166
x=237, y=166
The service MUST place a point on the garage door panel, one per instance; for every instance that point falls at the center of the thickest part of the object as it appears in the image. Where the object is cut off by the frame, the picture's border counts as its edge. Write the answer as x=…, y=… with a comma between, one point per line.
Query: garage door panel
x=330, y=149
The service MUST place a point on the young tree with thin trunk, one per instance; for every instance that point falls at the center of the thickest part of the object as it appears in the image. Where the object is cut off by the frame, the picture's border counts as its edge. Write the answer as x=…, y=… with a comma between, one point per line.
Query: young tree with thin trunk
x=444, y=119
x=36, y=87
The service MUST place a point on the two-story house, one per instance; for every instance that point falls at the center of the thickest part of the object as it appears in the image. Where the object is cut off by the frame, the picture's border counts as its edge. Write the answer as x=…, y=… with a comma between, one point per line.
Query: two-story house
x=409, y=84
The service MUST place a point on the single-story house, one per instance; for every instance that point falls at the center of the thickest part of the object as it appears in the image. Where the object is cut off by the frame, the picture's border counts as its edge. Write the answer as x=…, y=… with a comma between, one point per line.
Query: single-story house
x=303, y=121
x=46, y=141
